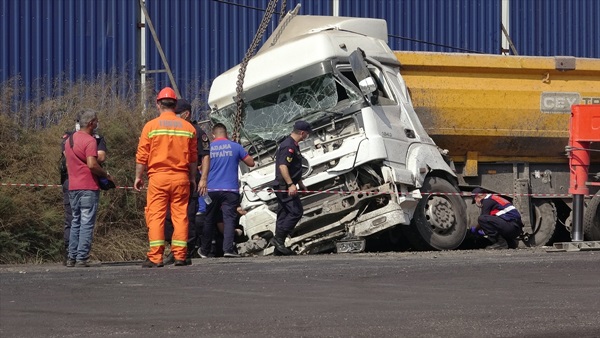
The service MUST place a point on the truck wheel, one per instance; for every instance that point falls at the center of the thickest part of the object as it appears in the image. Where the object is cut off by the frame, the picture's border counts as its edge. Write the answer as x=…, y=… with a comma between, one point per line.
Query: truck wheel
x=591, y=220
x=439, y=221
x=544, y=223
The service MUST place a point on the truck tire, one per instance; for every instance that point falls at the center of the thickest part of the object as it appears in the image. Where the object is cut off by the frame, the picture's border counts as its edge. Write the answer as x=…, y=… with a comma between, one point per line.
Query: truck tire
x=544, y=224
x=440, y=220
x=591, y=219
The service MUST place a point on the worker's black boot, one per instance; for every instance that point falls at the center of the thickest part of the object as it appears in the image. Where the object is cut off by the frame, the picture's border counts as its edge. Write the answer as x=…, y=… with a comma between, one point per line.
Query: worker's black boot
x=280, y=249
x=498, y=245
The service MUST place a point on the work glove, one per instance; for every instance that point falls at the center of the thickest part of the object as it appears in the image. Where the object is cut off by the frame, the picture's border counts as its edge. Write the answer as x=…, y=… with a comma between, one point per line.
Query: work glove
x=479, y=232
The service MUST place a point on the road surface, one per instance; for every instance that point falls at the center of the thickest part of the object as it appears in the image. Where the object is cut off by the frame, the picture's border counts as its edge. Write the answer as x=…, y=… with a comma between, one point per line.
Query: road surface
x=471, y=293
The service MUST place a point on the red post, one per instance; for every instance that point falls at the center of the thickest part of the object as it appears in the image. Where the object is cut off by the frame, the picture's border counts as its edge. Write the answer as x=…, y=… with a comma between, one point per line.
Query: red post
x=584, y=129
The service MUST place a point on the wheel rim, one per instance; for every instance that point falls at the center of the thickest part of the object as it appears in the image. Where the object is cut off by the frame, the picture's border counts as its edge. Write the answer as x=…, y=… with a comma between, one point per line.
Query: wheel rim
x=439, y=212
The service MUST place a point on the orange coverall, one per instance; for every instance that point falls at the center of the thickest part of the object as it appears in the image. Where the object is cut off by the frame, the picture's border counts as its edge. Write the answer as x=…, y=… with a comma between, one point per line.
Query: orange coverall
x=167, y=146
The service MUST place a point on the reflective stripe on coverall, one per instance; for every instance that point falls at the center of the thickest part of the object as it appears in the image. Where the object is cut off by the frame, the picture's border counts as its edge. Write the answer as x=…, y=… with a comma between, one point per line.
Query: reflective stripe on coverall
x=167, y=146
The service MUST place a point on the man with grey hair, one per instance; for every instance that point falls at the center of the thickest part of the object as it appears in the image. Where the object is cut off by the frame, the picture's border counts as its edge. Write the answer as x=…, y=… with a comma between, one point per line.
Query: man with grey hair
x=64, y=181
x=81, y=152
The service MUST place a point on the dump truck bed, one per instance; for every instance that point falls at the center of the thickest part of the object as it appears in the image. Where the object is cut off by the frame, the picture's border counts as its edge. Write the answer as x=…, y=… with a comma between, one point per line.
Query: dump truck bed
x=502, y=107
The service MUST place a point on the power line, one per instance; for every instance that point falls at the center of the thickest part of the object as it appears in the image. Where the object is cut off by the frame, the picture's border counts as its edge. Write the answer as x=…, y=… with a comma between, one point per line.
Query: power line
x=434, y=44
x=240, y=5
x=390, y=35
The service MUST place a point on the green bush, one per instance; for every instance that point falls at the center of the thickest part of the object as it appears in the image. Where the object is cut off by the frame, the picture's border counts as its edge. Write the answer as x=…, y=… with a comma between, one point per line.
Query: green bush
x=31, y=218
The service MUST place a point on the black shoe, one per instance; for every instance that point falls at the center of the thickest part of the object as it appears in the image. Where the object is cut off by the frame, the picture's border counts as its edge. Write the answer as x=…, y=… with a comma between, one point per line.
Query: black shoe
x=500, y=244
x=231, y=255
x=150, y=264
x=70, y=263
x=512, y=243
x=179, y=262
x=168, y=259
x=201, y=254
x=279, y=245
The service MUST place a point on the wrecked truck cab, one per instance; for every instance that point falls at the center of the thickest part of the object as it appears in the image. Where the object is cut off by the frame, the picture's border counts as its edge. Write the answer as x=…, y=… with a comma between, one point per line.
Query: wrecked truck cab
x=369, y=165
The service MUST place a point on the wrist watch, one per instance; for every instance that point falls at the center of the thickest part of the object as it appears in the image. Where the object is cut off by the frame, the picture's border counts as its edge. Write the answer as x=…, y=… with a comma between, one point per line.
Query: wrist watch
x=291, y=184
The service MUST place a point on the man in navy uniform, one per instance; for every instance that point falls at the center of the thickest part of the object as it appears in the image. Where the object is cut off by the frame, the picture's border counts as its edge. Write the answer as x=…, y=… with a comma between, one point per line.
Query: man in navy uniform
x=288, y=176
x=499, y=220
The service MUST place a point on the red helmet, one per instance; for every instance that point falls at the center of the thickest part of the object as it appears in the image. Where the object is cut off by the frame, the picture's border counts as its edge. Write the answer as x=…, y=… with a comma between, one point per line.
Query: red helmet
x=166, y=93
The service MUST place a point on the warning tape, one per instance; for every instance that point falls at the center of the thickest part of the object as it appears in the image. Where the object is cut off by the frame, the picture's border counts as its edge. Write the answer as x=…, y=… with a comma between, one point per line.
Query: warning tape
x=42, y=185
x=334, y=192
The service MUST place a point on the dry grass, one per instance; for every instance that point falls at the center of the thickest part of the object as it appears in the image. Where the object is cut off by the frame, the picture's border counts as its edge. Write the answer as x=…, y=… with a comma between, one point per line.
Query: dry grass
x=31, y=219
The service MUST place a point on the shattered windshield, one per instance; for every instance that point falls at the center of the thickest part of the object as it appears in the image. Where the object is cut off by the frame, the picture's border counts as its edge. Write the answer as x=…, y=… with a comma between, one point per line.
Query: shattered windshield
x=271, y=117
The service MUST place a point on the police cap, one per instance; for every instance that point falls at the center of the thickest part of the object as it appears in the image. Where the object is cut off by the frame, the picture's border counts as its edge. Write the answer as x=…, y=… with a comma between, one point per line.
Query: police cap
x=183, y=105
x=302, y=126
x=476, y=192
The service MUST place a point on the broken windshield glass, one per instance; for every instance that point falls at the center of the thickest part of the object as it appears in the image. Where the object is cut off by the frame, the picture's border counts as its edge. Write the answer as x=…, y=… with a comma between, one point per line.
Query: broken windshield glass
x=271, y=117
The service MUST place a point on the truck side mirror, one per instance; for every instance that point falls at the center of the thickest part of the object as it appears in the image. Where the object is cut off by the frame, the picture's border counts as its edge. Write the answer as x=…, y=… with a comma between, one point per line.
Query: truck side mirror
x=366, y=83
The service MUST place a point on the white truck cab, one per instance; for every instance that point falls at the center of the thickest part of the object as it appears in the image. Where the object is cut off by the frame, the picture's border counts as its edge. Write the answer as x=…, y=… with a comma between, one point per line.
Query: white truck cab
x=370, y=166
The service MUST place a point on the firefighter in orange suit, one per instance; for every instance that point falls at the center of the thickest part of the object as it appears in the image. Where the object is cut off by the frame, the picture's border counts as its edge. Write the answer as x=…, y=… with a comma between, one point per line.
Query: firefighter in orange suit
x=168, y=151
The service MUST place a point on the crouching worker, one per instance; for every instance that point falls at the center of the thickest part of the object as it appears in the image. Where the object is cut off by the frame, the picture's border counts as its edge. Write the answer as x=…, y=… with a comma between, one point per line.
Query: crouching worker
x=499, y=220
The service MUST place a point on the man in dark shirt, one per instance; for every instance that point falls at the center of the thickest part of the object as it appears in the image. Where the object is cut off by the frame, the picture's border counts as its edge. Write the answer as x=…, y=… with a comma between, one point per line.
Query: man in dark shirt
x=288, y=174
x=499, y=220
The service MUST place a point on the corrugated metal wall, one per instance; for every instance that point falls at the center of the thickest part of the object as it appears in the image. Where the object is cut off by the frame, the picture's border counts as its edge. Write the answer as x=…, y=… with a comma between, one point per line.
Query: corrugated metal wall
x=43, y=40
x=434, y=25
x=215, y=35
x=556, y=27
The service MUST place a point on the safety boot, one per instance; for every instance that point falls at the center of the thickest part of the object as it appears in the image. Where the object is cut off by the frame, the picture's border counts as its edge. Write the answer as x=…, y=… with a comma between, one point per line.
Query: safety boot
x=512, y=243
x=179, y=262
x=500, y=244
x=280, y=249
x=150, y=264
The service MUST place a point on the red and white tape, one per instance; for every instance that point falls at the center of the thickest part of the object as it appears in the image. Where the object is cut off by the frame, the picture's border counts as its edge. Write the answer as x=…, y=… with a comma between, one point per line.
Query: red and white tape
x=335, y=192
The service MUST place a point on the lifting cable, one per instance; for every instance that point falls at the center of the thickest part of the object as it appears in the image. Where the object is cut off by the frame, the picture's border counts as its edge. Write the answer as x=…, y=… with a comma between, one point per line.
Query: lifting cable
x=249, y=54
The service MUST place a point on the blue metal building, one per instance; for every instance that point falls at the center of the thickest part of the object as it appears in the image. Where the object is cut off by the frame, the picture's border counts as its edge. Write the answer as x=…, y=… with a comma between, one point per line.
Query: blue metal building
x=46, y=41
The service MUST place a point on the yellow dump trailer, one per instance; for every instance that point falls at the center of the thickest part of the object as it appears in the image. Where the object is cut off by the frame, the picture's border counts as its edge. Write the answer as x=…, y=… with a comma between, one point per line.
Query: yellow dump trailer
x=505, y=123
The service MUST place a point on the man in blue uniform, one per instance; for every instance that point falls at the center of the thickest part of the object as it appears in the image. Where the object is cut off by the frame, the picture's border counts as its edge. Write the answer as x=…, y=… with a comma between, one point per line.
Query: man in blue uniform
x=288, y=176
x=223, y=187
x=499, y=220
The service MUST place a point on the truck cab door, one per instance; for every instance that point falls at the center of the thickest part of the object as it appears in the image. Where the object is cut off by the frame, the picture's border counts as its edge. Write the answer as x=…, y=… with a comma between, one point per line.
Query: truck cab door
x=386, y=109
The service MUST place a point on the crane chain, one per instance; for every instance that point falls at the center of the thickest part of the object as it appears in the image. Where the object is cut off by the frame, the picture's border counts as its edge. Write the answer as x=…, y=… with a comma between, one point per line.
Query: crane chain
x=282, y=10
x=242, y=73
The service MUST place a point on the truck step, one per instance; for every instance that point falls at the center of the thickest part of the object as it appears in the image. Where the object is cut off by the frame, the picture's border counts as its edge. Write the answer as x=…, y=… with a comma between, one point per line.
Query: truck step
x=575, y=246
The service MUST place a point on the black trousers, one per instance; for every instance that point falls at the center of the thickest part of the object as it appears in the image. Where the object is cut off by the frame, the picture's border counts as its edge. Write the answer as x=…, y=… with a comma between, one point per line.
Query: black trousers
x=68, y=213
x=495, y=226
x=289, y=213
x=225, y=202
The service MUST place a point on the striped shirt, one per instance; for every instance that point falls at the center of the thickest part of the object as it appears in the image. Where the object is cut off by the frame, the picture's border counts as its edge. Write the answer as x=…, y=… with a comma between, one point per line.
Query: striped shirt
x=168, y=144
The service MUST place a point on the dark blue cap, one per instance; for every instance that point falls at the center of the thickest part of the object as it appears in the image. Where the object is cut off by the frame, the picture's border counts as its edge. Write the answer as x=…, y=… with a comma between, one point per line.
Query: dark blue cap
x=182, y=105
x=476, y=192
x=303, y=126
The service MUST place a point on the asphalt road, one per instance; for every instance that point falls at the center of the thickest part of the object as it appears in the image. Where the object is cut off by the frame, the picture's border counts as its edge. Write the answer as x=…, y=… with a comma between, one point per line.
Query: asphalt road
x=510, y=293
